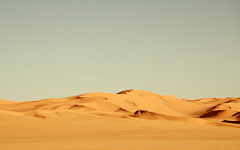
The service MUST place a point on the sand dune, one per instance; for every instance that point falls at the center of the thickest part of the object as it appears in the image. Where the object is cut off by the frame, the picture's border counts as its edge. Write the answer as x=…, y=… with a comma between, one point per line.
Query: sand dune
x=5, y=102
x=130, y=114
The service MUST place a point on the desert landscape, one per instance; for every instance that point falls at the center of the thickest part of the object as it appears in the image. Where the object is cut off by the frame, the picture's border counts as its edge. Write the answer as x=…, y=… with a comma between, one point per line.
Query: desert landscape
x=128, y=120
x=119, y=75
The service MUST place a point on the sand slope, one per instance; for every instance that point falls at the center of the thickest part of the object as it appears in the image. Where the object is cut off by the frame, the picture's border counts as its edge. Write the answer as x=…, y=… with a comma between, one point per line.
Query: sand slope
x=129, y=115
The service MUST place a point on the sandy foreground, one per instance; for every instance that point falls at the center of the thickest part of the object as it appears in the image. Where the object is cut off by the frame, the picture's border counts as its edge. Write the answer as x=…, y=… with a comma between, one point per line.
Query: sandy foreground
x=129, y=120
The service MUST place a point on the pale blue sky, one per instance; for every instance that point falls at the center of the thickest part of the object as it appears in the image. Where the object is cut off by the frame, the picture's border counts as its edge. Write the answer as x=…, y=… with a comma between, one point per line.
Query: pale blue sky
x=60, y=48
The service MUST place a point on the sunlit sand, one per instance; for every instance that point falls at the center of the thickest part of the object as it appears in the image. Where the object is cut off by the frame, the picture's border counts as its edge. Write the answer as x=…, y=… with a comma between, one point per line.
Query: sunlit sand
x=131, y=119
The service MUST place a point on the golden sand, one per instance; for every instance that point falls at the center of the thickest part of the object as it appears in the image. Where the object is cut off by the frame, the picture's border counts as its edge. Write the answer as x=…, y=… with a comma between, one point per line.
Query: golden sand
x=132, y=119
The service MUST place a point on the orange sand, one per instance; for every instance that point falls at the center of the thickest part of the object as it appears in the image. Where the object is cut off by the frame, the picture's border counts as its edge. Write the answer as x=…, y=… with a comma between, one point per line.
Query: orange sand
x=130, y=120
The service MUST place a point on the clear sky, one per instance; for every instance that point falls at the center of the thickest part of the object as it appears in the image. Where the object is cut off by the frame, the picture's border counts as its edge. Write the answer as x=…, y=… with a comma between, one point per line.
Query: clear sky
x=60, y=48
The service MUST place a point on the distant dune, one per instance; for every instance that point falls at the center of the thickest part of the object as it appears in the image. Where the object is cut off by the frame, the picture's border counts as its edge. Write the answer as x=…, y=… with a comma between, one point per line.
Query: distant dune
x=130, y=114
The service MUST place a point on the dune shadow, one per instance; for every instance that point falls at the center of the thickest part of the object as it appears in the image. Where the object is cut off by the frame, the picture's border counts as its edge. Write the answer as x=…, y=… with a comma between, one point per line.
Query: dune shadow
x=139, y=111
x=235, y=122
x=210, y=114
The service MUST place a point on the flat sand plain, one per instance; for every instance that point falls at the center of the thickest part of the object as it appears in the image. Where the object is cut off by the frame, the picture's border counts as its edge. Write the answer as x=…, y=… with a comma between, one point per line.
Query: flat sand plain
x=128, y=120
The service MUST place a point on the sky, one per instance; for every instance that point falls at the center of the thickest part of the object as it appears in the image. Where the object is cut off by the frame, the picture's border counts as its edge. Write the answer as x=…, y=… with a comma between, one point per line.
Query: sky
x=59, y=48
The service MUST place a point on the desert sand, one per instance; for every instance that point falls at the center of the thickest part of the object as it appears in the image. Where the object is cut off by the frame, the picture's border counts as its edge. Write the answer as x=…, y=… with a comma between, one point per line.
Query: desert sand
x=128, y=120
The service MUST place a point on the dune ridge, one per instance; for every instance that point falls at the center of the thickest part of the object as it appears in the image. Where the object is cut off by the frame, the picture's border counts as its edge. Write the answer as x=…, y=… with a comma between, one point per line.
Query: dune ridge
x=131, y=119
x=133, y=103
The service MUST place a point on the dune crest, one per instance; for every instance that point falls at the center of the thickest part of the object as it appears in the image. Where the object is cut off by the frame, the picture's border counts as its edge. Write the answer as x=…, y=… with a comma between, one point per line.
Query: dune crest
x=131, y=119
x=132, y=104
x=2, y=101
